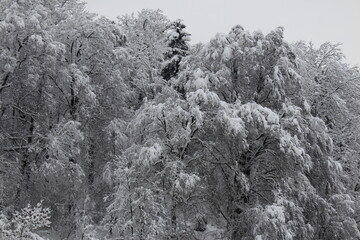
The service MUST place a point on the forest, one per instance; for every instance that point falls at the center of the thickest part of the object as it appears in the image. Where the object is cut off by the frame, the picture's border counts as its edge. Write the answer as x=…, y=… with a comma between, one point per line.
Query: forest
x=126, y=130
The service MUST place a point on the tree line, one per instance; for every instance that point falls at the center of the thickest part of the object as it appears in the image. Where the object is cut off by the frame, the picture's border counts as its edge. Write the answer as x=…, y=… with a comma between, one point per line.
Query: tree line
x=124, y=130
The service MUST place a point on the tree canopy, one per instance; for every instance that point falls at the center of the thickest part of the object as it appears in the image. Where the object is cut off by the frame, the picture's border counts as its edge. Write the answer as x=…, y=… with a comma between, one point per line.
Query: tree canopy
x=125, y=130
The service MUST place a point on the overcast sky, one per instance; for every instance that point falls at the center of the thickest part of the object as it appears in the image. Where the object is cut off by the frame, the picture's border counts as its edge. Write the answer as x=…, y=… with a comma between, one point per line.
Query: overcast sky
x=311, y=20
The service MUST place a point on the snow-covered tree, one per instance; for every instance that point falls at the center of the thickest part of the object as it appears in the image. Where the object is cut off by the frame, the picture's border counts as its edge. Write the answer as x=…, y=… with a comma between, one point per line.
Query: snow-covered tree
x=24, y=223
x=146, y=46
x=178, y=46
x=127, y=131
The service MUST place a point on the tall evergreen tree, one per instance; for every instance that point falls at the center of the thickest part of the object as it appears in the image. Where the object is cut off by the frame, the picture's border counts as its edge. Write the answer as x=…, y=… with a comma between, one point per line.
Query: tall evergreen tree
x=178, y=47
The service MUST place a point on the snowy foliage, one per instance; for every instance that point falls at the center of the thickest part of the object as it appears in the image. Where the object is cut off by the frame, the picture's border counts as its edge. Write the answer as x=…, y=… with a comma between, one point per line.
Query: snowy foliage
x=23, y=224
x=129, y=132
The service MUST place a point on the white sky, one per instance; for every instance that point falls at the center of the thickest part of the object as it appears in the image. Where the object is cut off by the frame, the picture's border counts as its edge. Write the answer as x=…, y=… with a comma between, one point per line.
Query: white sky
x=310, y=20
